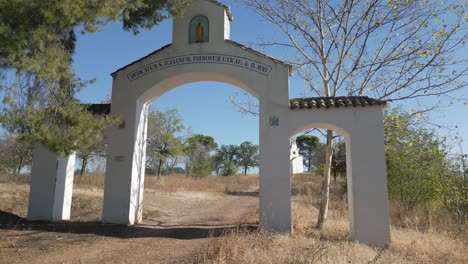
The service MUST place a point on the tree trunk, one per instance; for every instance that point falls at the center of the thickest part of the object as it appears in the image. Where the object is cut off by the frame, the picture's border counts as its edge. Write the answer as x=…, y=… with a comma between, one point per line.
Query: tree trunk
x=310, y=163
x=335, y=174
x=159, y=168
x=325, y=197
x=20, y=165
x=245, y=170
x=84, y=164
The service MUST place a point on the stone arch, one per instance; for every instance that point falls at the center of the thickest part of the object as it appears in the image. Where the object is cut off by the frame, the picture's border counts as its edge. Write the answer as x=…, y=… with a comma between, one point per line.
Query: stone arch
x=137, y=84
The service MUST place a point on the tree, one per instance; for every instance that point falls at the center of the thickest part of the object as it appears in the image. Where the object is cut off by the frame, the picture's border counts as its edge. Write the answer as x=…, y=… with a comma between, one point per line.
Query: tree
x=198, y=149
x=95, y=150
x=419, y=168
x=415, y=160
x=36, y=35
x=338, y=166
x=202, y=166
x=225, y=159
x=453, y=189
x=307, y=145
x=162, y=140
x=395, y=50
x=38, y=40
x=339, y=159
x=247, y=156
x=229, y=168
x=15, y=154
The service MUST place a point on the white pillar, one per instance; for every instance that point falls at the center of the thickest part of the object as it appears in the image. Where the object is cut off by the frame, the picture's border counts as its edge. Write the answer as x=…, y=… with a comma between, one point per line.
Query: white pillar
x=51, y=190
x=275, y=183
x=123, y=193
x=367, y=183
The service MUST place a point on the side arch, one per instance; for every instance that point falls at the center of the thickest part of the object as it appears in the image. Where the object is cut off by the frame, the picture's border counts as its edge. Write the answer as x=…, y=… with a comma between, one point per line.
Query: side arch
x=323, y=125
x=363, y=131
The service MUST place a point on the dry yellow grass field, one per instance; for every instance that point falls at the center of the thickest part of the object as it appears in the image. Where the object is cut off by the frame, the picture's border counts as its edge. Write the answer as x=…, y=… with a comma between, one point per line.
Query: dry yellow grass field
x=418, y=236
x=182, y=203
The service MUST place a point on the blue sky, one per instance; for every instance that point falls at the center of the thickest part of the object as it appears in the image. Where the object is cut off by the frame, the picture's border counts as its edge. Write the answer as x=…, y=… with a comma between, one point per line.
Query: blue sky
x=99, y=54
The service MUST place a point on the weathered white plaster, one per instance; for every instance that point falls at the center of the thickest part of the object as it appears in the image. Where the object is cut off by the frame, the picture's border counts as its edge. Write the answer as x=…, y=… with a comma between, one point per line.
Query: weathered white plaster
x=51, y=185
x=138, y=84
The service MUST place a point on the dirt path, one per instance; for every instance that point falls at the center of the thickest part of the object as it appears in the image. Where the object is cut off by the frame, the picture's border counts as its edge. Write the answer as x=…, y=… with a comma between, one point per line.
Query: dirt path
x=176, y=226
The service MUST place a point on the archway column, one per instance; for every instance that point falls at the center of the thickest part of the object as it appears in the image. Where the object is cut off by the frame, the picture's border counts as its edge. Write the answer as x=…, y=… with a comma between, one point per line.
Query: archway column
x=51, y=190
x=125, y=168
x=275, y=180
x=367, y=182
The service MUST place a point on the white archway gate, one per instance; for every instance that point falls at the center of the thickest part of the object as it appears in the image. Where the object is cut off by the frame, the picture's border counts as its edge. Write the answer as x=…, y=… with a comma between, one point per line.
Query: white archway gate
x=201, y=51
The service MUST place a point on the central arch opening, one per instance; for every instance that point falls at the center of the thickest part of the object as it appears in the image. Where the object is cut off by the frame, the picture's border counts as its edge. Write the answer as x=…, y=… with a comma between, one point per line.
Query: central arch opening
x=307, y=166
x=198, y=173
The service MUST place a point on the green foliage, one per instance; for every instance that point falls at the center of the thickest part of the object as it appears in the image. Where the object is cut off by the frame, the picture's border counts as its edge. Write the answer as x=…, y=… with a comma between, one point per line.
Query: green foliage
x=228, y=168
x=150, y=13
x=15, y=153
x=203, y=166
x=198, y=140
x=198, y=149
x=307, y=145
x=162, y=139
x=32, y=32
x=320, y=169
x=415, y=160
x=247, y=156
x=454, y=195
x=339, y=159
x=62, y=130
x=225, y=156
x=37, y=80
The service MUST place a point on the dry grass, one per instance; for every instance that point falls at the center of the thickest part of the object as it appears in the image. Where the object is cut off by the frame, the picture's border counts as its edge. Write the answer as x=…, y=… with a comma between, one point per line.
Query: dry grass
x=418, y=236
x=180, y=183
x=15, y=179
x=173, y=183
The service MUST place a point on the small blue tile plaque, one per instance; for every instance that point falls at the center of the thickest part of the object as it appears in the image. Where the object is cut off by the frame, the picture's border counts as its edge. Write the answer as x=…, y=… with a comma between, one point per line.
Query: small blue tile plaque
x=274, y=121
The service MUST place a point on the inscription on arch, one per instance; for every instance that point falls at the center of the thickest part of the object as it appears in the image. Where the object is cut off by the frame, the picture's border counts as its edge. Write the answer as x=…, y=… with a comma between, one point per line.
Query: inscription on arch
x=236, y=61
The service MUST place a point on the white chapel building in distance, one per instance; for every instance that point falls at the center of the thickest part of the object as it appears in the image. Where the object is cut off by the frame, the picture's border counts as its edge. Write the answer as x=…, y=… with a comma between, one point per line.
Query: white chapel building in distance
x=296, y=159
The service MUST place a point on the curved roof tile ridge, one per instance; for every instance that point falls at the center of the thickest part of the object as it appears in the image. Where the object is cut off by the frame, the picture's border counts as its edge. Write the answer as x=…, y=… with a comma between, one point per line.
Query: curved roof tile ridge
x=334, y=102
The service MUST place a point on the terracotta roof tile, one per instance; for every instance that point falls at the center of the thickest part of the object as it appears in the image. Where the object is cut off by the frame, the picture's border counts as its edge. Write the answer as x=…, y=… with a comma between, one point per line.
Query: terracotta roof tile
x=333, y=102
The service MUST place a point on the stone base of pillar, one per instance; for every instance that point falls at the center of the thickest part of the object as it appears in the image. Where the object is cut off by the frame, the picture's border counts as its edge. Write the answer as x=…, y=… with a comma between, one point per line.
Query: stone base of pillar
x=51, y=190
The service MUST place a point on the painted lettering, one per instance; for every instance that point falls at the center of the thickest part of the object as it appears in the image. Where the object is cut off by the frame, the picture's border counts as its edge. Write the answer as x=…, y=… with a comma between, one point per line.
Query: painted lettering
x=201, y=58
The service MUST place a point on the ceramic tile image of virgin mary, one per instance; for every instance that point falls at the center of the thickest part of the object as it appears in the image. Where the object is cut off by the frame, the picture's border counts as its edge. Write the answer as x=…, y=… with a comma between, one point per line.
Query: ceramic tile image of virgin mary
x=199, y=29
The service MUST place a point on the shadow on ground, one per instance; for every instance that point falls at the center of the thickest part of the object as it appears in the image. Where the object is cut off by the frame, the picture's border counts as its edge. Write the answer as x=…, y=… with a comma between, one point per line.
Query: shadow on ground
x=9, y=221
x=254, y=193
